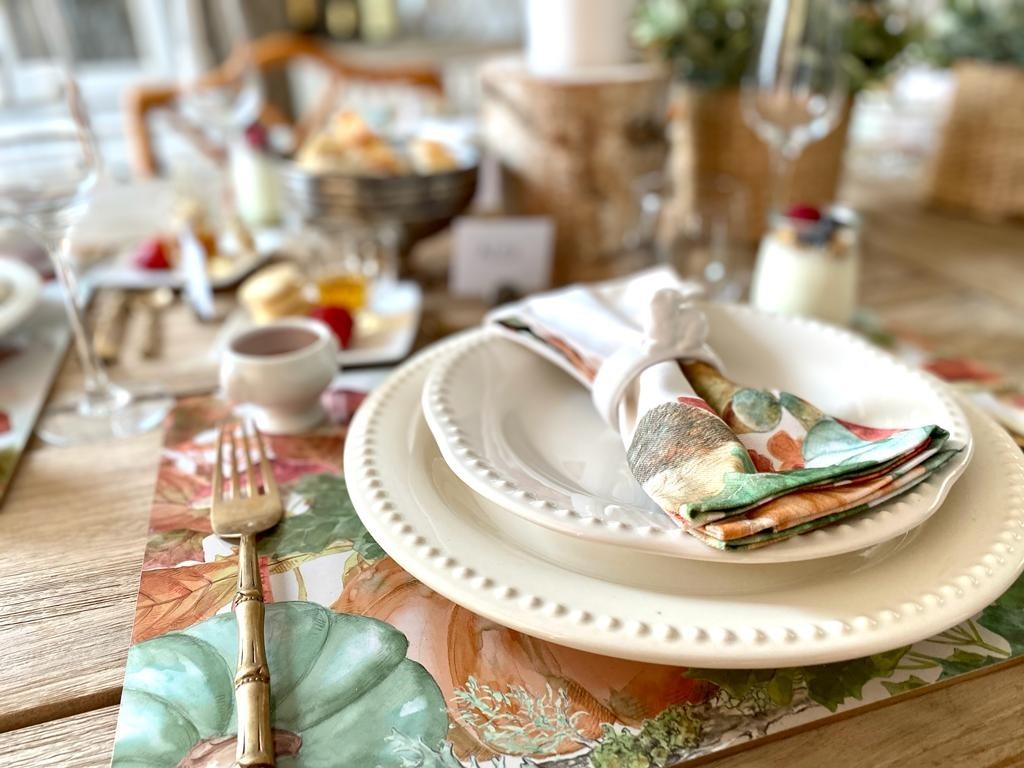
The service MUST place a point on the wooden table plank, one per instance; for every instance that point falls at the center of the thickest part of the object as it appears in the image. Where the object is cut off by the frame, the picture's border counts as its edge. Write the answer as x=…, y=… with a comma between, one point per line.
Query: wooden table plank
x=973, y=254
x=81, y=741
x=73, y=530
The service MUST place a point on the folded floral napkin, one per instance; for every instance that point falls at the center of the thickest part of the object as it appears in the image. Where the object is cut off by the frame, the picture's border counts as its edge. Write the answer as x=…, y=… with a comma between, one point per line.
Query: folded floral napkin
x=736, y=467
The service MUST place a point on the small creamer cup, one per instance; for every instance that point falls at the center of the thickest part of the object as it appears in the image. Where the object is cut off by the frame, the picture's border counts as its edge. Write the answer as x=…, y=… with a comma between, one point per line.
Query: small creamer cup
x=281, y=369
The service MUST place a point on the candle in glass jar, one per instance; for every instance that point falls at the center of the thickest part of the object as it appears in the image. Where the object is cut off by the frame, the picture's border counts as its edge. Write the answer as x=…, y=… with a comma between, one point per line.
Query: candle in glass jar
x=254, y=180
x=808, y=265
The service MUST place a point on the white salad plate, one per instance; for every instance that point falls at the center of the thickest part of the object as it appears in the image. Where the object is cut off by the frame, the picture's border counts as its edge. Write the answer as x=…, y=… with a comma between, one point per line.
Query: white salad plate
x=629, y=604
x=19, y=293
x=524, y=434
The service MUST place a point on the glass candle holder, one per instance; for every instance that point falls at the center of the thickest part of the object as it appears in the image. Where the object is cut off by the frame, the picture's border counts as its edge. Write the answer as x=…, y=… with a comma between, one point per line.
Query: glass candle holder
x=808, y=264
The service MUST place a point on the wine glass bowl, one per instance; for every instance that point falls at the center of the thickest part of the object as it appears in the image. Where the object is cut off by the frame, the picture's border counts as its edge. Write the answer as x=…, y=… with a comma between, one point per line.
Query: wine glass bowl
x=219, y=86
x=47, y=176
x=49, y=167
x=794, y=89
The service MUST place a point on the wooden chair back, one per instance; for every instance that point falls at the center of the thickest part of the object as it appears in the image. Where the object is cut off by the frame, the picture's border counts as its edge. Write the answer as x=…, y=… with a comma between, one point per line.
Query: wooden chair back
x=266, y=54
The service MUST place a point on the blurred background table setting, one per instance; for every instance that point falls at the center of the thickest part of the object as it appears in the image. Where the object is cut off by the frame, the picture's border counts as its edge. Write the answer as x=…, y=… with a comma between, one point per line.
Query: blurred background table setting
x=607, y=383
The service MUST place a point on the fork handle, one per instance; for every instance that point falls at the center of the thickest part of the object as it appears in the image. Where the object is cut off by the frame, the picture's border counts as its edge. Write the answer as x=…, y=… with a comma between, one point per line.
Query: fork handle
x=252, y=678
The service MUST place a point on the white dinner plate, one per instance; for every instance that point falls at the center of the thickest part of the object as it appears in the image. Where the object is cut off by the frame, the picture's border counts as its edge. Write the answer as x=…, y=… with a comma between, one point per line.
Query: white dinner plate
x=385, y=331
x=629, y=604
x=524, y=434
x=19, y=293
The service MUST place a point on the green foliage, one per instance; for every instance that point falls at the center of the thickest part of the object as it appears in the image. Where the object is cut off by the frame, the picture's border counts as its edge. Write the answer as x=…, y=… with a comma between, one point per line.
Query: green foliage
x=827, y=684
x=413, y=753
x=515, y=721
x=961, y=661
x=987, y=30
x=330, y=519
x=1005, y=616
x=709, y=41
x=831, y=684
x=659, y=743
x=909, y=684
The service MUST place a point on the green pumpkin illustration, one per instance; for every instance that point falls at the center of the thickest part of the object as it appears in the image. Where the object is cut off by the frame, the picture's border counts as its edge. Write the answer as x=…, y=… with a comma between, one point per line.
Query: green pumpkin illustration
x=342, y=693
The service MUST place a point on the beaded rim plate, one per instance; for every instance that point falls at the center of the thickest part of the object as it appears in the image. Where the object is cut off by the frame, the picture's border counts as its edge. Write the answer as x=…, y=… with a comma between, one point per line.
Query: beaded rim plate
x=623, y=603
x=501, y=416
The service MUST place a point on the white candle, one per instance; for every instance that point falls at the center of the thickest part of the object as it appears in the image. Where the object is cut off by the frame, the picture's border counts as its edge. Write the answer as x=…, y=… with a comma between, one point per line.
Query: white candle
x=566, y=36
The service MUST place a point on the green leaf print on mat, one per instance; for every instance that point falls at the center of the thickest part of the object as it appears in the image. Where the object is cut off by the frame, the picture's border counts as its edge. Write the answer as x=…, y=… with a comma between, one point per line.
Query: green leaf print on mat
x=341, y=683
x=826, y=684
x=1006, y=616
x=911, y=683
x=330, y=519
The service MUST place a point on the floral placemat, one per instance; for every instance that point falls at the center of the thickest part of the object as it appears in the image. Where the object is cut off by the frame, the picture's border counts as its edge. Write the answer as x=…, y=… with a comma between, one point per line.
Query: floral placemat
x=371, y=668
x=29, y=359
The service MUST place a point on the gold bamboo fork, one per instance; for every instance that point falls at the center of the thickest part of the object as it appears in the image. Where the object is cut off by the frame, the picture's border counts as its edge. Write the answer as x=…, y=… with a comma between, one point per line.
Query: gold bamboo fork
x=243, y=513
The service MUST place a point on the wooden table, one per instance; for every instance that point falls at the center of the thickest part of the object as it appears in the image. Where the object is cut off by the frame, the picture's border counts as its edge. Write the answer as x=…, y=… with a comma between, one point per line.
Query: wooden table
x=73, y=530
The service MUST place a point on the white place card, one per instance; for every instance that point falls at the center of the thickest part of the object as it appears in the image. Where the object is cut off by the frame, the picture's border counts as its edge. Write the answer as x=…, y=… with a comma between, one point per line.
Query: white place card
x=490, y=254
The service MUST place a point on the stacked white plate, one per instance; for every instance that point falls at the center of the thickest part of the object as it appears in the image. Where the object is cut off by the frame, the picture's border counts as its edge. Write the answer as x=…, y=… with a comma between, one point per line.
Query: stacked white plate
x=487, y=474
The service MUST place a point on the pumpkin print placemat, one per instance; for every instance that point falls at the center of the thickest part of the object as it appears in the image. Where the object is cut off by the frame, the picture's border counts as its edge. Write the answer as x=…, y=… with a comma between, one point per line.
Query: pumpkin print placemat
x=371, y=668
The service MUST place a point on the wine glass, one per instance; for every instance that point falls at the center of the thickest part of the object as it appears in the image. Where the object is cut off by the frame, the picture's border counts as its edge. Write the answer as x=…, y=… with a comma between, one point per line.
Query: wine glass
x=220, y=87
x=794, y=89
x=49, y=167
x=220, y=93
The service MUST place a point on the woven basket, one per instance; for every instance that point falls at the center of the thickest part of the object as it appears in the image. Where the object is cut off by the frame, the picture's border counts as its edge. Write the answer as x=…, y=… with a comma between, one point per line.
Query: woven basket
x=979, y=166
x=720, y=144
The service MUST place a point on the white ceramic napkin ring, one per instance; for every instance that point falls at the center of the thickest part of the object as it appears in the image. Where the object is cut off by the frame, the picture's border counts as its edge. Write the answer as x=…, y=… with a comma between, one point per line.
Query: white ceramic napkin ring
x=675, y=330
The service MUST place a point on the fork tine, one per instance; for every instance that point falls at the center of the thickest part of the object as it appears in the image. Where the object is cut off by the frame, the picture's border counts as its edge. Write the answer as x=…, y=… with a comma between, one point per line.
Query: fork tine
x=250, y=473
x=235, y=492
x=218, y=473
x=269, y=483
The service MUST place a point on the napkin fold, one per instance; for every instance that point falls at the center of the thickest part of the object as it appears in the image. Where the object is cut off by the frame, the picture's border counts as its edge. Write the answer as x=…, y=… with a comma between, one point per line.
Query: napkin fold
x=737, y=467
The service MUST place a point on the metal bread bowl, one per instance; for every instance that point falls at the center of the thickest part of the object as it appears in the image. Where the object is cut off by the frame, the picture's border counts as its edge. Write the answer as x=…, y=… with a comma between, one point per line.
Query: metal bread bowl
x=420, y=204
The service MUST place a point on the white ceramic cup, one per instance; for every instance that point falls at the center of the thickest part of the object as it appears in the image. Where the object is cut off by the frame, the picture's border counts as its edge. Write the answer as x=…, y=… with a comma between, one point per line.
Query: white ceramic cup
x=281, y=369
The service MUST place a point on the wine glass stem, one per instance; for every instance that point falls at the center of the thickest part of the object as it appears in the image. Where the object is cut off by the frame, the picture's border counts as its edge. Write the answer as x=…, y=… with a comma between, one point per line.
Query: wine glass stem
x=780, y=167
x=95, y=381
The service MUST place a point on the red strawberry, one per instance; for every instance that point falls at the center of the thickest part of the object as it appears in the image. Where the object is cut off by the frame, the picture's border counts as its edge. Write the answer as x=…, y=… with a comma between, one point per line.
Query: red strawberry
x=339, y=320
x=804, y=212
x=152, y=254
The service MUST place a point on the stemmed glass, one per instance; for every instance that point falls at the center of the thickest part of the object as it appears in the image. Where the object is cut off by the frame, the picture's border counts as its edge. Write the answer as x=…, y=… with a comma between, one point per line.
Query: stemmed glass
x=220, y=87
x=794, y=89
x=49, y=167
x=220, y=92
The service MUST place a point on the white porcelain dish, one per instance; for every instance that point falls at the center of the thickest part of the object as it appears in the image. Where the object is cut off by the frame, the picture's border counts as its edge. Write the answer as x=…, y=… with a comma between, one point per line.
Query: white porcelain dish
x=122, y=272
x=525, y=435
x=620, y=602
x=19, y=293
x=385, y=332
